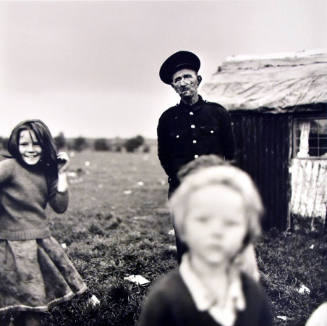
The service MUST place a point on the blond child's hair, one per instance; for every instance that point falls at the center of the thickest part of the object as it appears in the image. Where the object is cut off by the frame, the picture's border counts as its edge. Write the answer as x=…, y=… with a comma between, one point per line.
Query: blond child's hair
x=203, y=161
x=228, y=176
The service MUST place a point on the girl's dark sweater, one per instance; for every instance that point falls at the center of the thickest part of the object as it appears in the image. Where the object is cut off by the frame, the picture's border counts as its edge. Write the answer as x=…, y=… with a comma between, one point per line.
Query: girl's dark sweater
x=24, y=194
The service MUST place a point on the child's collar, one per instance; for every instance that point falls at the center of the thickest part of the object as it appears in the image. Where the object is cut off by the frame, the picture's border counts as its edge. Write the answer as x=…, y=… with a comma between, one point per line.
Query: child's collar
x=226, y=313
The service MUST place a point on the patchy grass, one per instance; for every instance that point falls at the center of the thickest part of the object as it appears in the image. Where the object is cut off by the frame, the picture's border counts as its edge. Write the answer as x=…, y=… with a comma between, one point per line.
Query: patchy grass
x=289, y=262
x=117, y=224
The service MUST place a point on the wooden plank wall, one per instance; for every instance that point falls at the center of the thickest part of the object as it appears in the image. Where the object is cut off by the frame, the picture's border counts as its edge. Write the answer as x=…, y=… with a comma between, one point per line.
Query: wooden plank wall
x=309, y=188
x=263, y=150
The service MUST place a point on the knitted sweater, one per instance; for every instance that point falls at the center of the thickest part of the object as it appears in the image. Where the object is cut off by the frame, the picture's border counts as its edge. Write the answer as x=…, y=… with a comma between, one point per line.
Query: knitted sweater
x=24, y=194
x=170, y=304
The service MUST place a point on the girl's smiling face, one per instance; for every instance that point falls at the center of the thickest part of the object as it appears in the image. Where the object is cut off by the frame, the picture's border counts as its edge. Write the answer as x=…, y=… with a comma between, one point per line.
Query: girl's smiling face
x=29, y=147
x=215, y=225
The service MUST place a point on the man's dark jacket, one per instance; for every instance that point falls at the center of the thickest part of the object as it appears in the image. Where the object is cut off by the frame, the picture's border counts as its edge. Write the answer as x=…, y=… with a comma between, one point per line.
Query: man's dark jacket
x=186, y=132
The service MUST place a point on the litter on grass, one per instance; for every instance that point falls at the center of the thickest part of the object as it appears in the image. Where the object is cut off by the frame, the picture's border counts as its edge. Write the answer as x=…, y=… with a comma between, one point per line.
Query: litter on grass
x=93, y=301
x=171, y=232
x=303, y=289
x=312, y=246
x=142, y=218
x=172, y=248
x=282, y=318
x=140, y=183
x=127, y=192
x=64, y=246
x=137, y=279
x=72, y=174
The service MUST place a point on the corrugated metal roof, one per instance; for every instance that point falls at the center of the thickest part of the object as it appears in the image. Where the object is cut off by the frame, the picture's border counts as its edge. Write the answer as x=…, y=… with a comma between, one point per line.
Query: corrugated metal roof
x=273, y=81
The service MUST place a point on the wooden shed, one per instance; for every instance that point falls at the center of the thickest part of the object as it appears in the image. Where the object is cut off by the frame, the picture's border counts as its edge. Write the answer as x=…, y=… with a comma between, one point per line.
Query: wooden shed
x=278, y=105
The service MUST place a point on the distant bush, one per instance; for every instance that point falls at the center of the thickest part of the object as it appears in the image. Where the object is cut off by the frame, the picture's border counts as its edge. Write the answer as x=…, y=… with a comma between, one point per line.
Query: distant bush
x=134, y=143
x=101, y=144
x=4, y=143
x=60, y=140
x=79, y=144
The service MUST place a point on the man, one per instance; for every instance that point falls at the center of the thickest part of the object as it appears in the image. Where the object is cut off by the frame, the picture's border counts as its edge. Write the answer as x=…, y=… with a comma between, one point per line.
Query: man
x=193, y=127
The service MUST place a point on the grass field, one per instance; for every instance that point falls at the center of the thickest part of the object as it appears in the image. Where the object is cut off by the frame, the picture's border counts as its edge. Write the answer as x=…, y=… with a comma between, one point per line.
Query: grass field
x=117, y=225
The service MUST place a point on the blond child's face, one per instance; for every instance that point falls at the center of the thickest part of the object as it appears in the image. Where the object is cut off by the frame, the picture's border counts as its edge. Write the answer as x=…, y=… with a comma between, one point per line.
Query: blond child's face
x=215, y=225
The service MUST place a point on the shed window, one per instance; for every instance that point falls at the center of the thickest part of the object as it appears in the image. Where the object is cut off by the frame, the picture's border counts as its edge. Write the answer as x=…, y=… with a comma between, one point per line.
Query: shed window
x=310, y=138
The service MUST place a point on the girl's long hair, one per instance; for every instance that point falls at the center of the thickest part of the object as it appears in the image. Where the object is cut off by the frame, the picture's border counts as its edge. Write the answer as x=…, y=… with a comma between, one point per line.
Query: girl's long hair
x=48, y=160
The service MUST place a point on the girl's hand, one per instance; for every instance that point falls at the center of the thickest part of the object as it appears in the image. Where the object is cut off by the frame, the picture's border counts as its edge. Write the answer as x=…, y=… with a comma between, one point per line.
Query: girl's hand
x=63, y=162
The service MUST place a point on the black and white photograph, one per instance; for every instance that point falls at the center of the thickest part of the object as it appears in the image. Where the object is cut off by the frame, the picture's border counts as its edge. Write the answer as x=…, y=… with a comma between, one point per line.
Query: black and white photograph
x=163, y=163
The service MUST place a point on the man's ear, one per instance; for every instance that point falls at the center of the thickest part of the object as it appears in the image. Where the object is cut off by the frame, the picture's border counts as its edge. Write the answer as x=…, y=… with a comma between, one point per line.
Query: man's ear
x=199, y=78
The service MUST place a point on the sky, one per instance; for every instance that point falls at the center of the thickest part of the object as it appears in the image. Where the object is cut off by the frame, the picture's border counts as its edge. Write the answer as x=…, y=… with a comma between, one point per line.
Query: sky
x=90, y=68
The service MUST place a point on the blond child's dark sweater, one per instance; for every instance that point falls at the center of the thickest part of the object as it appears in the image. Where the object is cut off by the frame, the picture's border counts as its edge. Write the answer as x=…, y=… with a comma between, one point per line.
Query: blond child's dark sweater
x=170, y=303
x=24, y=194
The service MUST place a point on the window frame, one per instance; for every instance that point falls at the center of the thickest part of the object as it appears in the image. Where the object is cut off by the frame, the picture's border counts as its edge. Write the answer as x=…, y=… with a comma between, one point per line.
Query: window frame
x=295, y=147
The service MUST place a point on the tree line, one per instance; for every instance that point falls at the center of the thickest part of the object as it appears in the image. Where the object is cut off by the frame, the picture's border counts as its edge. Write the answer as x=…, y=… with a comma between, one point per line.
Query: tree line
x=80, y=143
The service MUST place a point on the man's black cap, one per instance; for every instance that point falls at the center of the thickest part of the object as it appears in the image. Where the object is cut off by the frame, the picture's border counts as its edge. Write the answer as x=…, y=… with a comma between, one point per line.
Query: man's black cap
x=178, y=61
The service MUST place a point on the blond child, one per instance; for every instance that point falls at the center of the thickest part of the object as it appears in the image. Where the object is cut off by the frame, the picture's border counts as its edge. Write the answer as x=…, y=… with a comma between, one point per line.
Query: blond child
x=217, y=214
x=247, y=259
x=35, y=272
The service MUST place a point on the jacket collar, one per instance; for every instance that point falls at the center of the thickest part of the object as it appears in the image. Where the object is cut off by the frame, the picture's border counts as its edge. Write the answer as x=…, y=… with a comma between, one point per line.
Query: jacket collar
x=195, y=107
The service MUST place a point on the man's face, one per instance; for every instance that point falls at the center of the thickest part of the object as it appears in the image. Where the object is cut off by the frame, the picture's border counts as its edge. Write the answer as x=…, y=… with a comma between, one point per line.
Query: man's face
x=185, y=82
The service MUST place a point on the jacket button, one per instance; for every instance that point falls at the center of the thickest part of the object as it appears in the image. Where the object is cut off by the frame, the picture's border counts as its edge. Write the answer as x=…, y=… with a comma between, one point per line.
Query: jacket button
x=194, y=141
x=191, y=113
x=192, y=126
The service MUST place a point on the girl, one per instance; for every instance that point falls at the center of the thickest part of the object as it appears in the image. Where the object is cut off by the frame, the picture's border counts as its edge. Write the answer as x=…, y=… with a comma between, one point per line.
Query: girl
x=217, y=214
x=35, y=271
